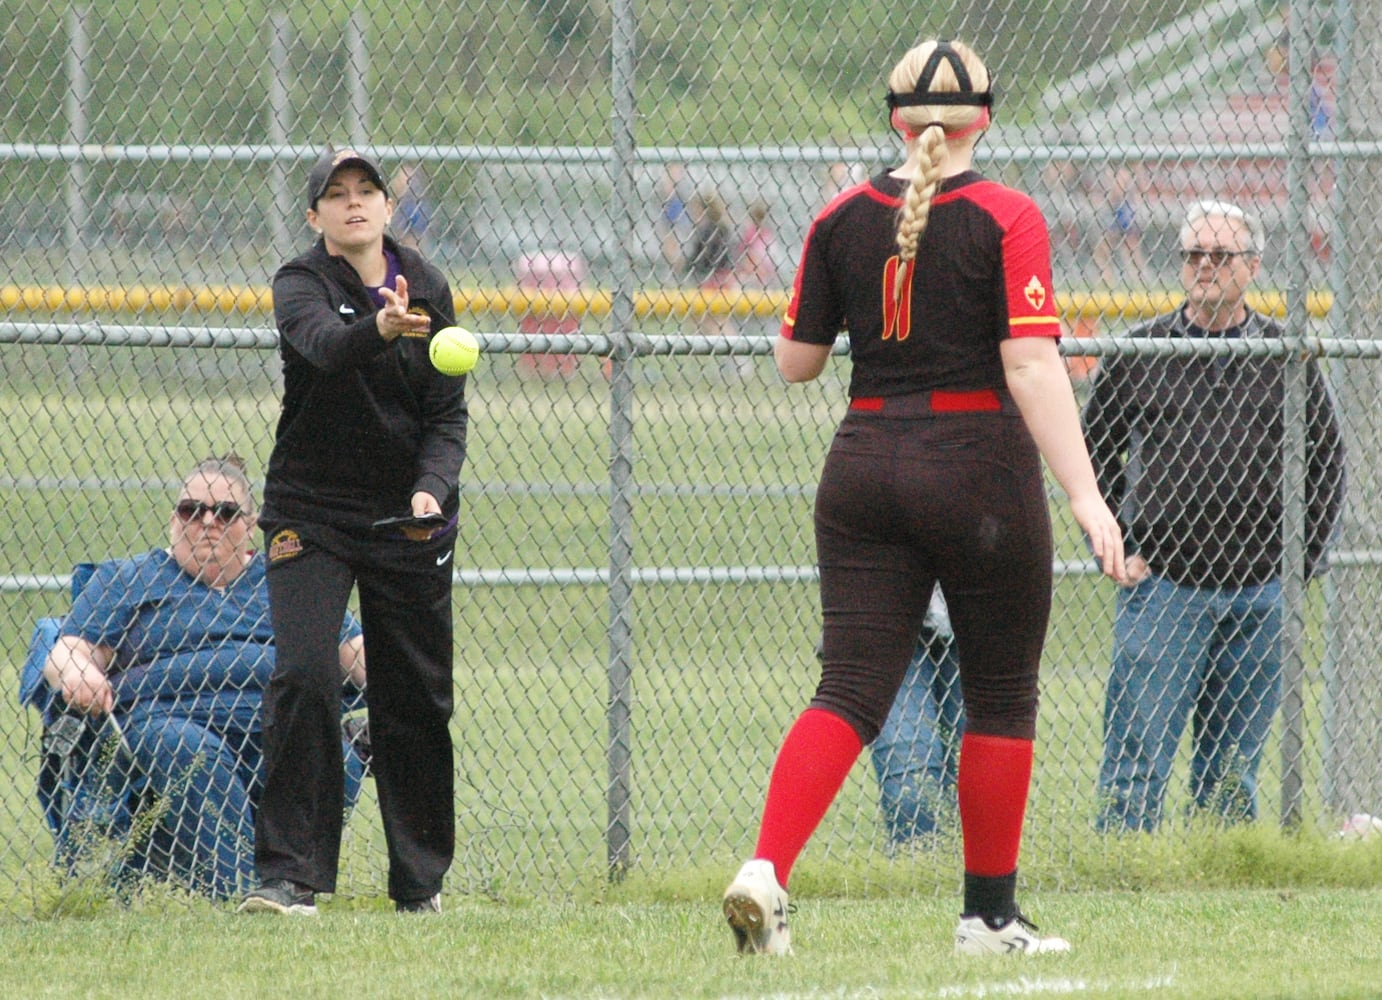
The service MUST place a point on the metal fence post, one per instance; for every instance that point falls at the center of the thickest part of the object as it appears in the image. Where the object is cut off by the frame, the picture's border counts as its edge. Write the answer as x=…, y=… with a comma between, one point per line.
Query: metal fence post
x=619, y=709
x=1293, y=469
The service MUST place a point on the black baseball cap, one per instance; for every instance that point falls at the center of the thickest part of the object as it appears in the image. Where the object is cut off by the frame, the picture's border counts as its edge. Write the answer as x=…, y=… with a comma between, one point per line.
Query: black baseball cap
x=333, y=160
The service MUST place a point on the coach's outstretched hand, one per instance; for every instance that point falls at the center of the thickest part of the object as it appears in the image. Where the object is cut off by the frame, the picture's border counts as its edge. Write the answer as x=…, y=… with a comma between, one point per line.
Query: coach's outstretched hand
x=396, y=318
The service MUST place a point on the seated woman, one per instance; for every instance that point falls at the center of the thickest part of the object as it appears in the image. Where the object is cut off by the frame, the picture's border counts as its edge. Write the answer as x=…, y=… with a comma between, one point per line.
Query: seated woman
x=176, y=646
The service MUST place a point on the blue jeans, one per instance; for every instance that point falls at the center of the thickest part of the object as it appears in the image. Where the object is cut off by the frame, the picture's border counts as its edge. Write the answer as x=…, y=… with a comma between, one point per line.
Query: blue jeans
x=1211, y=654
x=204, y=774
x=917, y=753
x=207, y=783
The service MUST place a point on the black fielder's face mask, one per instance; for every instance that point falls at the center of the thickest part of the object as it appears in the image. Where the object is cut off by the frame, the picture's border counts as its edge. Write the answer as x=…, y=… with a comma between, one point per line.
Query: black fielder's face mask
x=921, y=95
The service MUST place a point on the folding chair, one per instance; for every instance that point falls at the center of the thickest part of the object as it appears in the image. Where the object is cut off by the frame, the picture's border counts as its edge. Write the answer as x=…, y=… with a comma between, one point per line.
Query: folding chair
x=87, y=786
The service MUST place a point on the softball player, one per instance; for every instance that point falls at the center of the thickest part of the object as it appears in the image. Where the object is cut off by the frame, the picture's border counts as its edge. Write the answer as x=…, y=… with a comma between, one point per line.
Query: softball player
x=957, y=390
x=369, y=430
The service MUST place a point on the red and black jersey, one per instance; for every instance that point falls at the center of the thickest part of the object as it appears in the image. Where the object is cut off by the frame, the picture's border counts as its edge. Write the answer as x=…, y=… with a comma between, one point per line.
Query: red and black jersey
x=982, y=274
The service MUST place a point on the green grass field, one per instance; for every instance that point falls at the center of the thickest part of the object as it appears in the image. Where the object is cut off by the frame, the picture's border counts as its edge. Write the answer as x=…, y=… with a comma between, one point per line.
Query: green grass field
x=724, y=468
x=1174, y=944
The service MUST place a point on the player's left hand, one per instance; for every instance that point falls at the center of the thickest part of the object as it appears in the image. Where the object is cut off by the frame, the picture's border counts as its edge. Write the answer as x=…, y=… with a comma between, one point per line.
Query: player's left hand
x=1102, y=529
x=423, y=503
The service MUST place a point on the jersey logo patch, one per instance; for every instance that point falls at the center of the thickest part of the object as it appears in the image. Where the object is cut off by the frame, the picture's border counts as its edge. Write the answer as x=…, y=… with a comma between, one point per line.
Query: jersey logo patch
x=897, y=309
x=1035, y=293
x=285, y=544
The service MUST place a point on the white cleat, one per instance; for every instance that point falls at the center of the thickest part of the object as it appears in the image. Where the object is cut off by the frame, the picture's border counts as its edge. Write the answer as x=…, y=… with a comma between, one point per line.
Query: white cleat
x=1016, y=937
x=756, y=908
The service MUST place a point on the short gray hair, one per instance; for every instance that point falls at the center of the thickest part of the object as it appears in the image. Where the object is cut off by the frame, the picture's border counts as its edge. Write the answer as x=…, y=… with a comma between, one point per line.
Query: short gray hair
x=1257, y=237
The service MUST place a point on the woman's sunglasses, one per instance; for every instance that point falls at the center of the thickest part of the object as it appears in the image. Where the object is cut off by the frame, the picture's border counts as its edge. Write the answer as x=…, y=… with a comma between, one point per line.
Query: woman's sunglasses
x=224, y=511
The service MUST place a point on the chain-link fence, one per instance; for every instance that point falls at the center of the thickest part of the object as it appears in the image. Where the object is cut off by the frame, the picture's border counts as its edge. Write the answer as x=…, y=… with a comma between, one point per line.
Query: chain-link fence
x=635, y=593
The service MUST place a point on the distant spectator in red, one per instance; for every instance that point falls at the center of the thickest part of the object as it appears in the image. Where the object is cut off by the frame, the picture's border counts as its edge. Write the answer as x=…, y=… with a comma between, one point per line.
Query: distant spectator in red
x=548, y=273
x=756, y=256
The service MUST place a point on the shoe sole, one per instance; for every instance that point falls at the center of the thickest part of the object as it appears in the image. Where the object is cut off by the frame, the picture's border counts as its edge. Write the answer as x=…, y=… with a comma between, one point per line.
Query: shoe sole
x=746, y=920
x=258, y=904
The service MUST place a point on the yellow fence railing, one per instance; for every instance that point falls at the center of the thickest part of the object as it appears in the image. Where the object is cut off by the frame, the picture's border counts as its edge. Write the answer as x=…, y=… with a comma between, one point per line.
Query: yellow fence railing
x=257, y=300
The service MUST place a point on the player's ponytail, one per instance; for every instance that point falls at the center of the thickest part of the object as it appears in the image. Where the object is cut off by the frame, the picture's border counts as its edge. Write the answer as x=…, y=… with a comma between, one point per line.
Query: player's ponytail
x=916, y=204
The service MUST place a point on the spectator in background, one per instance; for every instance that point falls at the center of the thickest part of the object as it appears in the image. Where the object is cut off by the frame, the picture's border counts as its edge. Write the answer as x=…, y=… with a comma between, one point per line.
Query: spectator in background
x=916, y=755
x=1188, y=452
x=1277, y=56
x=1122, y=235
x=176, y=644
x=756, y=255
x=710, y=261
x=673, y=220
x=840, y=176
x=1320, y=99
x=549, y=274
x=1061, y=190
x=412, y=215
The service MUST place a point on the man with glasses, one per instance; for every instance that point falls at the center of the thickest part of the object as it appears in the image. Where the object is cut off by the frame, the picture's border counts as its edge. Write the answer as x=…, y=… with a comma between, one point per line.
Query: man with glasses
x=171, y=651
x=1188, y=451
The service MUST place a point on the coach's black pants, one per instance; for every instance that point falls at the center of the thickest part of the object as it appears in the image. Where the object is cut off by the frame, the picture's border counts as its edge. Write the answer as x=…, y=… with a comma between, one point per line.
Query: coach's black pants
x=405, y=609
x=905, y=501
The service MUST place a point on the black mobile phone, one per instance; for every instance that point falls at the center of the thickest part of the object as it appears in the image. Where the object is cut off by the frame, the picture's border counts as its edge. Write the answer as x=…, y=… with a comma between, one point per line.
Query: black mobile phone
x=410, y=521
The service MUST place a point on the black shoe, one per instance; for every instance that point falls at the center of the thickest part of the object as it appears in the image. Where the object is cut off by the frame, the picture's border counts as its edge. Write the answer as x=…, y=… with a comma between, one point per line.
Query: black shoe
x=279, y=895
x=432, y=904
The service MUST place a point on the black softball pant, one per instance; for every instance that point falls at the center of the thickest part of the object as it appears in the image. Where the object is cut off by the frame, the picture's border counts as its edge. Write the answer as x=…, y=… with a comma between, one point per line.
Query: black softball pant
x=405, y=610
x=904, y=502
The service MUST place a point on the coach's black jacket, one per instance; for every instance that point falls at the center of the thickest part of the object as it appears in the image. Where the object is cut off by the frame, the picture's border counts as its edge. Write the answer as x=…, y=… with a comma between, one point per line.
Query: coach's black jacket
x=365, y=423
x=1188, y=454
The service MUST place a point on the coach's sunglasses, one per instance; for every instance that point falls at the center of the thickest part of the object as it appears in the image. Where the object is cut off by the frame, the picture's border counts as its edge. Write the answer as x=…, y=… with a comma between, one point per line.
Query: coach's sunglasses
x=1216, y=258
x=224, y=511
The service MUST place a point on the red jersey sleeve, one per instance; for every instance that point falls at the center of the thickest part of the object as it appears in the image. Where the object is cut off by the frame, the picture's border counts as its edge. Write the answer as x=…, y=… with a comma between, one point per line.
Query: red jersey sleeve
x=1027, y=273
x=816, y=310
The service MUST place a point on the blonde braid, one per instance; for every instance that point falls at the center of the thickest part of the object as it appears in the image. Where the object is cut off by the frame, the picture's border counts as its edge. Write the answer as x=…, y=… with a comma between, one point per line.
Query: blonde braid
x=916, y=206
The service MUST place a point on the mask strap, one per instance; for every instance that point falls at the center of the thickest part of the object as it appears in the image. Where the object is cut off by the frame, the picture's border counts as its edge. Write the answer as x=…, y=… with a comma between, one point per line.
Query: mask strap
x=981, y=122
x=943, y=50
x=920, y=95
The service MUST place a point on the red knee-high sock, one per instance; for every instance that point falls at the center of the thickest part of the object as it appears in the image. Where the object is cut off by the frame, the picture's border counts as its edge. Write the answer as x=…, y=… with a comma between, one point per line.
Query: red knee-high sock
x=813, y=763
x=995, y=772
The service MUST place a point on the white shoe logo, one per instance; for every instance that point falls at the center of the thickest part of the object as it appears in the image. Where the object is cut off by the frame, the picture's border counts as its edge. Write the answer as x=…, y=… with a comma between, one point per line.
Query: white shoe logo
x=441, y=559
x=346, y=310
